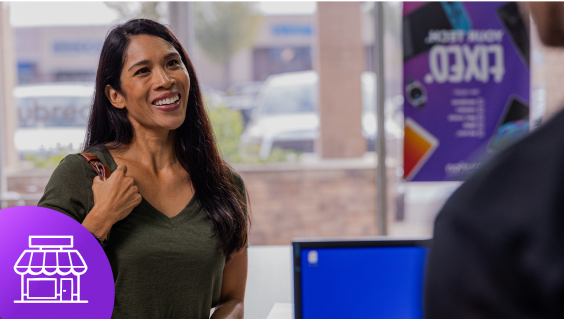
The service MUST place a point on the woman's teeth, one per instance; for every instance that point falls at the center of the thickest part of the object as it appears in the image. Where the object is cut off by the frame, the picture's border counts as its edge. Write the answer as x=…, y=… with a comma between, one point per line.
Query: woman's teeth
x=168, y=101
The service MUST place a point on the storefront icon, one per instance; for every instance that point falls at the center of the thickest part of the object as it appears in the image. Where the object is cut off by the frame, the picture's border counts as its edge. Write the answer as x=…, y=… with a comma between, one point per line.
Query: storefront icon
x=50, y=273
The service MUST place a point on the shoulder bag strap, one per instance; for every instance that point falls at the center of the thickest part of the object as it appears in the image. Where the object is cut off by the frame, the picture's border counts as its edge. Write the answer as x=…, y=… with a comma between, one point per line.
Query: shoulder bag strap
x=103, y=170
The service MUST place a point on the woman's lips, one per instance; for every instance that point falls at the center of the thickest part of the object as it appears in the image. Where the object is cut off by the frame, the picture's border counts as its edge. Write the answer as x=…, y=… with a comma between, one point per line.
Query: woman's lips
x=169, y=107
x=166, y=96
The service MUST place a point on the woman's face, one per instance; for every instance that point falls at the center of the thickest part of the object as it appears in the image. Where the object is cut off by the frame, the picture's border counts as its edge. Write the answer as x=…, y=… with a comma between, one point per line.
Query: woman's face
x=154, y=83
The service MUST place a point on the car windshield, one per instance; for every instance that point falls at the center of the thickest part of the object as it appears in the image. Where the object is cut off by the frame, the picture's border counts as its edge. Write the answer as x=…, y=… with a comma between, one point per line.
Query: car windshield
x=290, y=99
x=68, y=111
x=303, y=98
x=368, y=96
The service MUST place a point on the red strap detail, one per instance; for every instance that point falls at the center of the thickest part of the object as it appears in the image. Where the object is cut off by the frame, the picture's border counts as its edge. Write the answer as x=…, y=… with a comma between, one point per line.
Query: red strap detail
x=89, y=157
x=103, y=170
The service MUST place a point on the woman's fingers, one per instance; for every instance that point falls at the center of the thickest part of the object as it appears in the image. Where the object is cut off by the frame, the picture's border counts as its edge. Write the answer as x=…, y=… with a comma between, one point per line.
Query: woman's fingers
x=136, y=200
x=118, y=194
x=128, y=181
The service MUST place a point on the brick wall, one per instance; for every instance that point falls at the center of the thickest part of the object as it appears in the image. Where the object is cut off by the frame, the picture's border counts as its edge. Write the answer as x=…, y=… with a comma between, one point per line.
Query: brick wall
x=329, y=198
x=322, y=200
x=29, y=183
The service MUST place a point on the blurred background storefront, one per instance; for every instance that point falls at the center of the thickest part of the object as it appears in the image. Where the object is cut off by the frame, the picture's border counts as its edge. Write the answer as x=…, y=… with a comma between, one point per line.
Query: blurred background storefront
x=290, y=89
x=255, y=85
x=275, y=117
x=306, y=153
x=278, y=43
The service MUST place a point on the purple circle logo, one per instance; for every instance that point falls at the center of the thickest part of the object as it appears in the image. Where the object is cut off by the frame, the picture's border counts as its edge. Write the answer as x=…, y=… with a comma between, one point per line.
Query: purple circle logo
x=51, y=267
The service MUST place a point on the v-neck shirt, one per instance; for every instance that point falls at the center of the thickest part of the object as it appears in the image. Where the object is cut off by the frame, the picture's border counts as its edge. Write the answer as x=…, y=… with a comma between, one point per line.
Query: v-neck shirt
x=163, y=267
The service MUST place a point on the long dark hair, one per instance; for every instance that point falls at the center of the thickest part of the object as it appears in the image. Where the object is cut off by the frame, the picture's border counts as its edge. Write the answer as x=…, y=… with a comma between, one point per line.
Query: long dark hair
x=212, y=178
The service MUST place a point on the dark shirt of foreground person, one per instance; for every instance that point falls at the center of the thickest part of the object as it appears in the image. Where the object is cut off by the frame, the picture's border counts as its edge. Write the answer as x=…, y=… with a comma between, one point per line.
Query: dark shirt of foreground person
x=498, y=245
x=498, y=248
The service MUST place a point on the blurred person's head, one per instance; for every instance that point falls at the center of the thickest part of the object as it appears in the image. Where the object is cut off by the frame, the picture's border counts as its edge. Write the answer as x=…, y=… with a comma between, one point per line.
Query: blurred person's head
x=549, y=19
x=140, y=61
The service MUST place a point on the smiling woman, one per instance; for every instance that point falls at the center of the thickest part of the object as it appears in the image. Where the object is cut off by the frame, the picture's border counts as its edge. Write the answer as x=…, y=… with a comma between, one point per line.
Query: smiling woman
x=176, y=211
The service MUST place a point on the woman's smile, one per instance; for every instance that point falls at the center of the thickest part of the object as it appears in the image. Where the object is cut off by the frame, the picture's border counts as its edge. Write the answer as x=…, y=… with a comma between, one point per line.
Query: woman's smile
x=168, y=102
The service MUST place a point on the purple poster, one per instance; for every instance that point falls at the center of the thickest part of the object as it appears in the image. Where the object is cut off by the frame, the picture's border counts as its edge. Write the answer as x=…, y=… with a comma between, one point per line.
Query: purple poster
x=466, y=85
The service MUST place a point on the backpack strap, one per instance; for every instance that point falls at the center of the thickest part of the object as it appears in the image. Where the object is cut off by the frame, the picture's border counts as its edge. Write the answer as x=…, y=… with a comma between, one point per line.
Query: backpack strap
x=103, y=170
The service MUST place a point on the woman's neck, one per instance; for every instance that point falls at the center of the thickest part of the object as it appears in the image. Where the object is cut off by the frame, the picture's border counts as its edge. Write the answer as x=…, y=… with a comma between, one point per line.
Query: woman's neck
x=152, y=149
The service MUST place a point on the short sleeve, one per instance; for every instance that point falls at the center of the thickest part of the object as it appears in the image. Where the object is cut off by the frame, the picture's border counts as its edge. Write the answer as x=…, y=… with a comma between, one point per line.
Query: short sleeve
x=67, y=190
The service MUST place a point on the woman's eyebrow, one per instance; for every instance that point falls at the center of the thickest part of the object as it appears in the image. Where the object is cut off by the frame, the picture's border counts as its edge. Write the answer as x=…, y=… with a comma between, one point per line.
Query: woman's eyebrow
x=171, y=54
x=138, y=63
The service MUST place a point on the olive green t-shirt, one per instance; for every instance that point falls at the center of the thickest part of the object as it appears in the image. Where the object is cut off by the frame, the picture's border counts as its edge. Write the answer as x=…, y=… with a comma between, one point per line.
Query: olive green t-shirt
x=163, y=267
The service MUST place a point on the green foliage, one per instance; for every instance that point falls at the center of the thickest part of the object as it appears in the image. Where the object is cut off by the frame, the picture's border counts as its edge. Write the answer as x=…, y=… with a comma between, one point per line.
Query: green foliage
x=227, y=125
x=45, y=161
x=277, y=154
x=223, y=28
x=146, y=9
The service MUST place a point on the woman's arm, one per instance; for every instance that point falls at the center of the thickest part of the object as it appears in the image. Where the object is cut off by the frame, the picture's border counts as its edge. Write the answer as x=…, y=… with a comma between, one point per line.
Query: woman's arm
x=231, y=300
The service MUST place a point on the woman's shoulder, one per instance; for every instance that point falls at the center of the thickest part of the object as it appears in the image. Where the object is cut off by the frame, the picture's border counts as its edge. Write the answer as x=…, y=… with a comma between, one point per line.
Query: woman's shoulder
x=72, y=170
x=236, y=177
x=75, y=166
x=68, y=188
x=102, y=153
x=71, y=164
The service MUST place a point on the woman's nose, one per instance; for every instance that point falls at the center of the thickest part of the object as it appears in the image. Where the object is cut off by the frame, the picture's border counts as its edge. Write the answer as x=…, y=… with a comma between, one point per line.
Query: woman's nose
x=162, y=78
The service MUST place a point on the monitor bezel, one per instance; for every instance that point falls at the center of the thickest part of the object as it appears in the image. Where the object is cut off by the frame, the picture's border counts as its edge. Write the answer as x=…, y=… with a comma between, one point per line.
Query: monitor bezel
x=307, y=243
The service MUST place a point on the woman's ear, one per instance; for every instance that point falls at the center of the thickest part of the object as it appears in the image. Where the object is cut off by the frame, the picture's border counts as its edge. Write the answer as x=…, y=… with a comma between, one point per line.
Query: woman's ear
x=117, y=99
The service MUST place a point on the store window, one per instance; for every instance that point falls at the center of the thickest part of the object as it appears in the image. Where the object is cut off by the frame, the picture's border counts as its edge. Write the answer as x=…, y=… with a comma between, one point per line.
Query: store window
x=291, y=99
x=268, y=61
x=271, y=107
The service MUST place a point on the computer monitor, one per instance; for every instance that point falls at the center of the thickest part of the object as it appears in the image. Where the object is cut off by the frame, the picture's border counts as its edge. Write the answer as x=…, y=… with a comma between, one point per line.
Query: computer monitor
x=359, y=278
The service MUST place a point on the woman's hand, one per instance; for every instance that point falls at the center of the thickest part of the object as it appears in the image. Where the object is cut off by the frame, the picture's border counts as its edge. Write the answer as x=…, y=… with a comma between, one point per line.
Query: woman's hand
x=114, y=199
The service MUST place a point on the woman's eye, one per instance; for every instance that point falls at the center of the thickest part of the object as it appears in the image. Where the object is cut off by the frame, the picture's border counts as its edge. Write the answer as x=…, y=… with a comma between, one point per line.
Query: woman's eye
x=173, y=63
x=142, y=70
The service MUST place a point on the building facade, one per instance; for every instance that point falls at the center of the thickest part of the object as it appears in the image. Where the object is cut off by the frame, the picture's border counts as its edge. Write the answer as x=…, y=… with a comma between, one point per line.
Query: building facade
x=284, y=43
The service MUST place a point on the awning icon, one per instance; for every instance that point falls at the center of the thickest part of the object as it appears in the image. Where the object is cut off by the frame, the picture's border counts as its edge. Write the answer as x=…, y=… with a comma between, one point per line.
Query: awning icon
x=61, y=262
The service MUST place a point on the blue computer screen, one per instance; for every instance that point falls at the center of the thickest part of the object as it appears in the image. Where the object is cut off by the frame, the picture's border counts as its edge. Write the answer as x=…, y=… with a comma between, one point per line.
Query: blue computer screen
x=367, y=282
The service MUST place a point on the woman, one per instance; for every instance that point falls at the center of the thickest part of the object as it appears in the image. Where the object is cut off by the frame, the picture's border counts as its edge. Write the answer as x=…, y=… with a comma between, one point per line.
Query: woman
x=176, y=211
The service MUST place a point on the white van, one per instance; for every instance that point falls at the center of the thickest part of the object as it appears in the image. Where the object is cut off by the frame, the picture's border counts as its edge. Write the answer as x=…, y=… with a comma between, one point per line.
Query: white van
x=287, y=114
x=52, y=117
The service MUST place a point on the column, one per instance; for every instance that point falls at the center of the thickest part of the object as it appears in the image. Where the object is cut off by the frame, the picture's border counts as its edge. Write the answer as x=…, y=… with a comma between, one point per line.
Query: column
x=339, y=60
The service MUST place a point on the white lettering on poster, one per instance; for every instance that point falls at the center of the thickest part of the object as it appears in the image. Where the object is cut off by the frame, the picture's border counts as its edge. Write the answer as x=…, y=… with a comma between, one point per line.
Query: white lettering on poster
x=468, y=112
x=460, y=168
x=480, y=59
x=463, y=63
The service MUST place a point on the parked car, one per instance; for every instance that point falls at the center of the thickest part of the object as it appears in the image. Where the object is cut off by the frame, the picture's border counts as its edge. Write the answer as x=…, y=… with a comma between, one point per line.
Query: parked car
x=52, y=116
x=287, y=115
x=244, y=88
x=242, y=96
